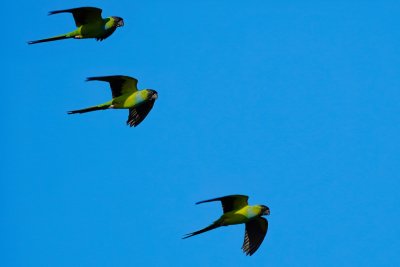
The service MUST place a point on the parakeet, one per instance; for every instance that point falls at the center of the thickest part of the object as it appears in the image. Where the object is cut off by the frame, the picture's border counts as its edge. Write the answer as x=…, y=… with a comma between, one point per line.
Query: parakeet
x=237, y=211
x=125, y=95
x=89, y=24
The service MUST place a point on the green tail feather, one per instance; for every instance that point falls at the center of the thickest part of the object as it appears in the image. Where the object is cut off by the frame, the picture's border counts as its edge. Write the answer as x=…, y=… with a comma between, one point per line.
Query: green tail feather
x=88, y=109
x=208, y=228
x=49, y=39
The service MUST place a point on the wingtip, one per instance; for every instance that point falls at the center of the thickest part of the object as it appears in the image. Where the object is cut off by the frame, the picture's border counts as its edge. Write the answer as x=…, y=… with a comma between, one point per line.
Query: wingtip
x=187, y=236
x=52, y=12
x=247, y=252
x=94, y=78
x=201, y=202
x=132, y=123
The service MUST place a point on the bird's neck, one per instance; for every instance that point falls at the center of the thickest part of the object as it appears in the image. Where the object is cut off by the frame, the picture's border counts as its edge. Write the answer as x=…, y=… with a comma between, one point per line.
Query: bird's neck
x=109, y=23
x=250, y=211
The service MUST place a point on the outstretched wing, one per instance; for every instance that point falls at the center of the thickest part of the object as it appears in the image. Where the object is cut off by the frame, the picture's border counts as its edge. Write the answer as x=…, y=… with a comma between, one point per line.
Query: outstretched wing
x=137, y=114
x=82, y=15
x=256, y=230
x=119, y=84
x=231, y=202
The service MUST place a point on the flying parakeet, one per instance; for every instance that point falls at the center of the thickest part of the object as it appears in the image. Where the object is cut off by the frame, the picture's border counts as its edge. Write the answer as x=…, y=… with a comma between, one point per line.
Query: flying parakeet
x=237, y=211
x=89, y=24
x=125, y=95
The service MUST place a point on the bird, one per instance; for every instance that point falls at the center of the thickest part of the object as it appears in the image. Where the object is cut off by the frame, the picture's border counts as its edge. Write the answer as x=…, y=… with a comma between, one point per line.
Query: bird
x=89, y=24
x=125, y=95
x=237, y=211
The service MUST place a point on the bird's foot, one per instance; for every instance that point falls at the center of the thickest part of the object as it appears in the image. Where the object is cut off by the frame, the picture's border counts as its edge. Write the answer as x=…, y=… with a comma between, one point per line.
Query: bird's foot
x=78, y=37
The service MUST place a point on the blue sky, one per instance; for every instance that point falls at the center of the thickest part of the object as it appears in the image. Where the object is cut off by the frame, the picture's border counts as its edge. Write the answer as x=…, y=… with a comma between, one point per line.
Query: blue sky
x=294, y=104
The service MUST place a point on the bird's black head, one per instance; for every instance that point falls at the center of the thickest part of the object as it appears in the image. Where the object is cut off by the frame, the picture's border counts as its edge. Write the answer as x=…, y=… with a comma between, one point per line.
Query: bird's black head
x=264, y=210
x=118, y=21
x=153, y=95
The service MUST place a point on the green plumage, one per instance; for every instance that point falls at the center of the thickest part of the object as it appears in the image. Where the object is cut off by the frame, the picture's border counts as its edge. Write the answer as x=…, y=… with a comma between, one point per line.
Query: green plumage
x=125, y=95
x=237, y=211
x=89, y=24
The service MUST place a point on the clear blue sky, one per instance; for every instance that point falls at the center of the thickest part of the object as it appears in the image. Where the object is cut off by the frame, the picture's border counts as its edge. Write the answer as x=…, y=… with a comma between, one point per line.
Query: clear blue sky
x=294, y=104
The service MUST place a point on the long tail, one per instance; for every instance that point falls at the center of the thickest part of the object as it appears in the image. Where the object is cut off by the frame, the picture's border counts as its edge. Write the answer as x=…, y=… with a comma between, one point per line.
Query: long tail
x=60, y=37
x=101, y=107
x=208, y=228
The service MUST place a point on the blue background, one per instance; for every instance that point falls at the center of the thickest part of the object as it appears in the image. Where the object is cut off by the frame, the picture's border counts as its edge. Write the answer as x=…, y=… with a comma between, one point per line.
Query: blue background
x=295, y=104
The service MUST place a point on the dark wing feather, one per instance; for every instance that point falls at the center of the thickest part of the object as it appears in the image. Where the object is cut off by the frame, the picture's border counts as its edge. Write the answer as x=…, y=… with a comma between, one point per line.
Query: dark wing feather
x=106, y=34
x=119, y=84
x=137, y=114
x=256, y=230
x=82, y=15
x=230, y=203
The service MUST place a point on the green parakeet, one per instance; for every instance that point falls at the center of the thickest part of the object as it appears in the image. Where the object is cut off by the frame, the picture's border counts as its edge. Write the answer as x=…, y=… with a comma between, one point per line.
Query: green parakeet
x=89, y=24
x=125, y=95
x=237, y=211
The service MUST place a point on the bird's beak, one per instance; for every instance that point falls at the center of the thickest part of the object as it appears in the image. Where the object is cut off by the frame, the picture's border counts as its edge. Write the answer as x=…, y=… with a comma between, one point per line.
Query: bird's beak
x=266, y=212
x=120, y=23
x=154, y=96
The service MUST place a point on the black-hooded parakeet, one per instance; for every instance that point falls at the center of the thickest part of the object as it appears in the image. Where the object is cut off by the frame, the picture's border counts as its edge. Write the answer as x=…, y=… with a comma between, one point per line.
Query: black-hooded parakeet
x=125, y=95
x=89, y=24
x=236, y=210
